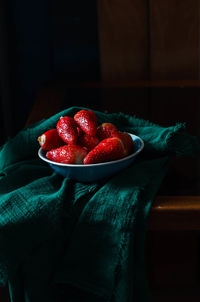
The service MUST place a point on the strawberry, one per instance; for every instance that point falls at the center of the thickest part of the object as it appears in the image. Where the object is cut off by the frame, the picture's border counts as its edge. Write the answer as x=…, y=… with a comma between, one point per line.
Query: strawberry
x=80, y=131
x=68, y=154
x=88, y=141
x=106, y=130
x=107, y=150
x=127, y=142
x=67, y=130
x=50, y=140
x=87, y=121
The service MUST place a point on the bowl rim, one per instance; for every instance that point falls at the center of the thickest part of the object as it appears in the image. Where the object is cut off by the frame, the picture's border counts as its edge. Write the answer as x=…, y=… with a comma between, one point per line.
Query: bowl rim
x=93, y=165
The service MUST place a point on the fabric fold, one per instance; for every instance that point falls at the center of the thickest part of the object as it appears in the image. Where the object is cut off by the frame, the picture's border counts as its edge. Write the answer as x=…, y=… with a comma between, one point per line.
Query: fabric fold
x=62, y=240
x=106, y=227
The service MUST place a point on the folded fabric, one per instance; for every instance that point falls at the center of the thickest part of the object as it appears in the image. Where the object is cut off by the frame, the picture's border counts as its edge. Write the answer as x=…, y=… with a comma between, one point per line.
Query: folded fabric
x=62, y=240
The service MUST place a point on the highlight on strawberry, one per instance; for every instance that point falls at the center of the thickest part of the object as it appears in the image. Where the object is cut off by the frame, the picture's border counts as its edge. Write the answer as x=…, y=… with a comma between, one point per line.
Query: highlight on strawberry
x=80, y=140
x=108, y=149
x=68, y=154
x=50, y=140
x=87, y=121
x=106, y=130
x=67, y=129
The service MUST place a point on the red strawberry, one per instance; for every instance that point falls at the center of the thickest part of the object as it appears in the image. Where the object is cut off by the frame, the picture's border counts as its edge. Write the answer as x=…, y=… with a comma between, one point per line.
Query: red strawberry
x=67, y=129
x=80, y=131
x=127, y=142
x=88, y=141
x=109, y=130
x=68, y=154
x=106, y=130
x=50, y=140
x=107, y=150
x=87, y=121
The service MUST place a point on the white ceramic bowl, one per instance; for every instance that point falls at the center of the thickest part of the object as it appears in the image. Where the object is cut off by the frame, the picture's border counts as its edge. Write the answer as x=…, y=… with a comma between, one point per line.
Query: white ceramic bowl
x=94, y=172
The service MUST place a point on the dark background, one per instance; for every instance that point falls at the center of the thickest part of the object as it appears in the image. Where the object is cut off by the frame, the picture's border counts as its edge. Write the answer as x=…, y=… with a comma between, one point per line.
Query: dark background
x=43, y=41
x=48, y=44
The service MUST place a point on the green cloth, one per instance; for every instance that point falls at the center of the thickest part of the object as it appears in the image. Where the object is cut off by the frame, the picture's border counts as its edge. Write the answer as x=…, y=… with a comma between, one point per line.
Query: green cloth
x=62, y=240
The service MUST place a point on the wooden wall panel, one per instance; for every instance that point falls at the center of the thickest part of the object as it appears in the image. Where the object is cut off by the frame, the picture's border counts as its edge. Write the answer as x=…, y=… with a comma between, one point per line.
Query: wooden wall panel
x=126, y=100
x=123, y=39
x=174, y=39
x=173, y=269
x=173, y=262
x=173, y=105
x=168, y=107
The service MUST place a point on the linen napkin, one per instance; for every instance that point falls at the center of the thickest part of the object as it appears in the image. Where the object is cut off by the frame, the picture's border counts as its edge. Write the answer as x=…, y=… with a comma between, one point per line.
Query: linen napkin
x=62, y=240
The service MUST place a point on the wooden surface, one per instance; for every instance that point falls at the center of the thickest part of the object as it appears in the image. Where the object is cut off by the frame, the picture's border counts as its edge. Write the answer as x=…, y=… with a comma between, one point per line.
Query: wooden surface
x=129, y=84
x=175, y=213
x=174, y=29
x=122, y=39
x=155, y=39
x=172, y=260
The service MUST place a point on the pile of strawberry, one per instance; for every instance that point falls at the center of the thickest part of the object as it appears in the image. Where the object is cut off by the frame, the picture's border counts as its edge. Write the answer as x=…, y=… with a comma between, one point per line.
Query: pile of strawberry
x=80, y=140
